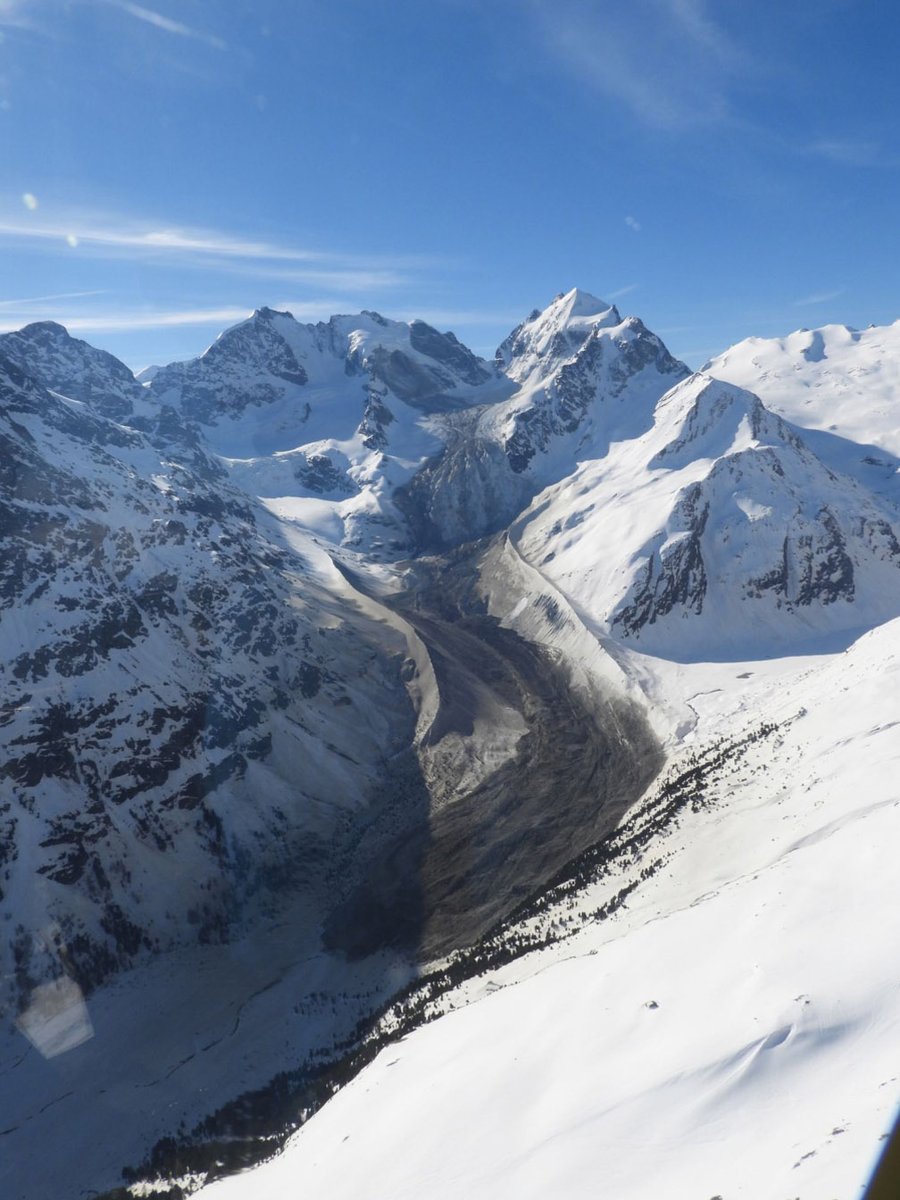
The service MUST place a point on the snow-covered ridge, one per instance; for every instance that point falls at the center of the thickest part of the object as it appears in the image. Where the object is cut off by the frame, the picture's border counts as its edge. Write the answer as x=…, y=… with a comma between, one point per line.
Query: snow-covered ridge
x=319, y=371
x=842, y=380
x=717, y=532
x=46, y=352
x=172, y=676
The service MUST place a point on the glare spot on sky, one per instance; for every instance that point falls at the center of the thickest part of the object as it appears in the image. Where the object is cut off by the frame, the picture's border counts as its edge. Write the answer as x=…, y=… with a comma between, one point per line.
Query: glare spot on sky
x=71, y=240
x=30, y=200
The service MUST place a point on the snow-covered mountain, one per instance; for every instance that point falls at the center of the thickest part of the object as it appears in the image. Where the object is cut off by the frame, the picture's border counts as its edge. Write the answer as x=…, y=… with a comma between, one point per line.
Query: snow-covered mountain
x=339, y=656
x=188, y=710
x=326, y=421
x=333, y=423
x=64, y=364
x=717, y=533
x=585, y=378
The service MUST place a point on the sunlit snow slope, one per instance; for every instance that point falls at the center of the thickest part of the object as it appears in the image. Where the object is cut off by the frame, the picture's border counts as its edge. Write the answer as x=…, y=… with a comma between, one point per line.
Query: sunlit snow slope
x=835, y=378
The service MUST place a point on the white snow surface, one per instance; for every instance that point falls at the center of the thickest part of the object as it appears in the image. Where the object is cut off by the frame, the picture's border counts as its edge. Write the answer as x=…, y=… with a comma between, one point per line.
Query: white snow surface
x=845, y=381
x=732, y=1031
x=342, y=412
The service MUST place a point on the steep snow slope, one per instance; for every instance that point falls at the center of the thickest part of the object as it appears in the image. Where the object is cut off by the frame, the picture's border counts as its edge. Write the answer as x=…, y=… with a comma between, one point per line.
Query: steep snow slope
x=729, y=1031
x=717, y=533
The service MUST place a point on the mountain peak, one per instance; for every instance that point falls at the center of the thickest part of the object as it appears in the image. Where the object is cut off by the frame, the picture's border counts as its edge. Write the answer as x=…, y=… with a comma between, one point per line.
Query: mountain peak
x=555, y=333
x=47, y=352
x=44, y=329
x=575, y=311
x=578, y=303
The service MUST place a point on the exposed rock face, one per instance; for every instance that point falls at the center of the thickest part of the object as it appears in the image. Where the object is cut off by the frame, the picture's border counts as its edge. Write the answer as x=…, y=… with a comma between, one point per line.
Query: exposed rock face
x=674, y=577
x=599, y=371
x=466, y=492
x=375, y=421
x=445, y=348
x=815, y=566
x=65, y=364
x=249, y=365
x=174, y=697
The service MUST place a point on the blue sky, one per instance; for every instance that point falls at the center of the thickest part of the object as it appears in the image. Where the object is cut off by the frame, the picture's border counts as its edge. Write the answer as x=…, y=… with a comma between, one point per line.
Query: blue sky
x=718, y=168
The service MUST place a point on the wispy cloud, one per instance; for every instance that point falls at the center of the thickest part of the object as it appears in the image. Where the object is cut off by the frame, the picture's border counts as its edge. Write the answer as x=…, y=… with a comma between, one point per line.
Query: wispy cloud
x=117, y=321
x=681, y=75
x=108, y=322
x=111, y=322
x=26, y=300
x=818, y=297
x=16, y=14
x=352, y=279
x=126, y=321
x=633, y=224
x=622, y=291
x=695, y=23
x=159, y=21
x=851, y=153
x=114, y=234
x=117, y=237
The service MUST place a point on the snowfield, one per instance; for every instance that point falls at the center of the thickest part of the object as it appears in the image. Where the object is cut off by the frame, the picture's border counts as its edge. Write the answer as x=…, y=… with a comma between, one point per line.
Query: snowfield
x=837, y=379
